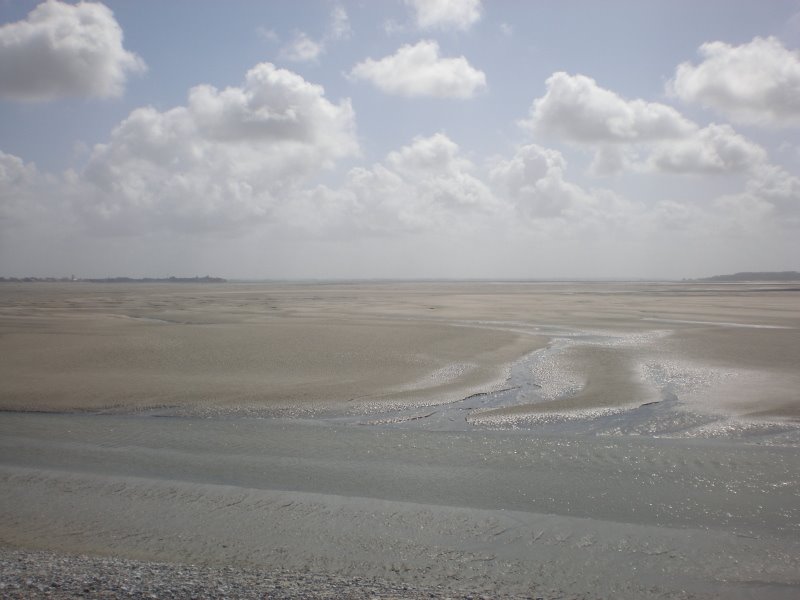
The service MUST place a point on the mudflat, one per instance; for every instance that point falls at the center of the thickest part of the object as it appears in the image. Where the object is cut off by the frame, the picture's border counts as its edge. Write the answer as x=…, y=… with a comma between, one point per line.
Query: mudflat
x=445, y=439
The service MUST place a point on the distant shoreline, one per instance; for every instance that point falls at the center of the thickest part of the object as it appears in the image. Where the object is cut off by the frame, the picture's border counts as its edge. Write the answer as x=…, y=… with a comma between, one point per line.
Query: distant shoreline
x=741, y=277
x=206, y=279
x=747, y=276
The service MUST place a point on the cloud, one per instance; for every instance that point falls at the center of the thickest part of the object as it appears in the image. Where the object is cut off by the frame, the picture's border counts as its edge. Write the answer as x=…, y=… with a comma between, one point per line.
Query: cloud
x=62, y=50
x=245, y=161
x=31, y=197
x=770, y=202
x=429, y=186
x=17, y=182
x=576, y=109
x=534, y=181
x=392, y=27
x=437, y=154
x=422, y=199
x=305, y=49
x=765, y=212
x=621, y=131
x=418, y=70
x=611, y=159
x=302, y=49
x=424, y=186
x=779, y=188
x=713, y=149
x=14, y=172
x=446, y=14
x=339, y=28
x=266, y=34
x=755, y=83
x=440, y=175
x=221, y=161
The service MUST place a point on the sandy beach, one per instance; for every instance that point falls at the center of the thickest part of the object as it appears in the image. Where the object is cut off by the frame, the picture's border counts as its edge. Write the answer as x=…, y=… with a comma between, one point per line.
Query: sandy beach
x=552, y=440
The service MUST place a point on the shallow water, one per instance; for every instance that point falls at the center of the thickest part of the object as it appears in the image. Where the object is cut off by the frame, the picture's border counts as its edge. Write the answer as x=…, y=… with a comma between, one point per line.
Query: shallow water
x=497, y=509
x=548, y=375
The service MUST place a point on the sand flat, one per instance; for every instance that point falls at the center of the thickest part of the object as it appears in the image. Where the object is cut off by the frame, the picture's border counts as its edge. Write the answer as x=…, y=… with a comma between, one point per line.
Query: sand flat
x=133, y=349
x=283, y=364
x=334, y=346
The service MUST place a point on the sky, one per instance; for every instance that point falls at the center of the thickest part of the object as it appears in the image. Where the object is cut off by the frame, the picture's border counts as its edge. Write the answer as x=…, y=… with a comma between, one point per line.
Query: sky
x=399, y=138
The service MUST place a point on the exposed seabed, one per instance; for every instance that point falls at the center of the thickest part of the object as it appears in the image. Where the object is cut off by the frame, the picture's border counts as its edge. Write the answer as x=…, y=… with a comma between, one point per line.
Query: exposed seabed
x=622, y=441
x=537, y=379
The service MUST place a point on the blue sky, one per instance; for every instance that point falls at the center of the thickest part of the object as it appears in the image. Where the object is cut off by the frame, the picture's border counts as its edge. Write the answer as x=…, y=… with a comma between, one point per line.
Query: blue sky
x=443, y=138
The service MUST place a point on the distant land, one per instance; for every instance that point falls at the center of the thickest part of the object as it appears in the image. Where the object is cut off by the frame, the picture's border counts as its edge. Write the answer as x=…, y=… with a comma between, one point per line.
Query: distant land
x=745, y=276
x=752, y=276
x=206, y=279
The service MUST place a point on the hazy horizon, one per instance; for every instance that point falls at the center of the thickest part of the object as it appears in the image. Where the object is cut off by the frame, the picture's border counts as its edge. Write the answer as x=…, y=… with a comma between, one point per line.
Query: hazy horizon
x=187, y=277
x=406, y=140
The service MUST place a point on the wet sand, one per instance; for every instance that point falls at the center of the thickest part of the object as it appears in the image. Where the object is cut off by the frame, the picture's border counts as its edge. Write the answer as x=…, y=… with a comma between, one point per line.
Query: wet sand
x=319, y=347
x=543, y=440
x=248, y=349
x=494, y=512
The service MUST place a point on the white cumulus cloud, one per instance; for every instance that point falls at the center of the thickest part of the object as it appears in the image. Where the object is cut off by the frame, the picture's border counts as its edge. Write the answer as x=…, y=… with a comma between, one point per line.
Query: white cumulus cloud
x=17, y=182
x=754, y=83
x=533, y=179
x=441, y=175
x=222, y=160
x=419, y=70
x=577, y=109
x=534, y=182
x=446, y=14
x=65, y=50
x=713, y=149
x=29, y=196
x=427, y=185
x=636, y=134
